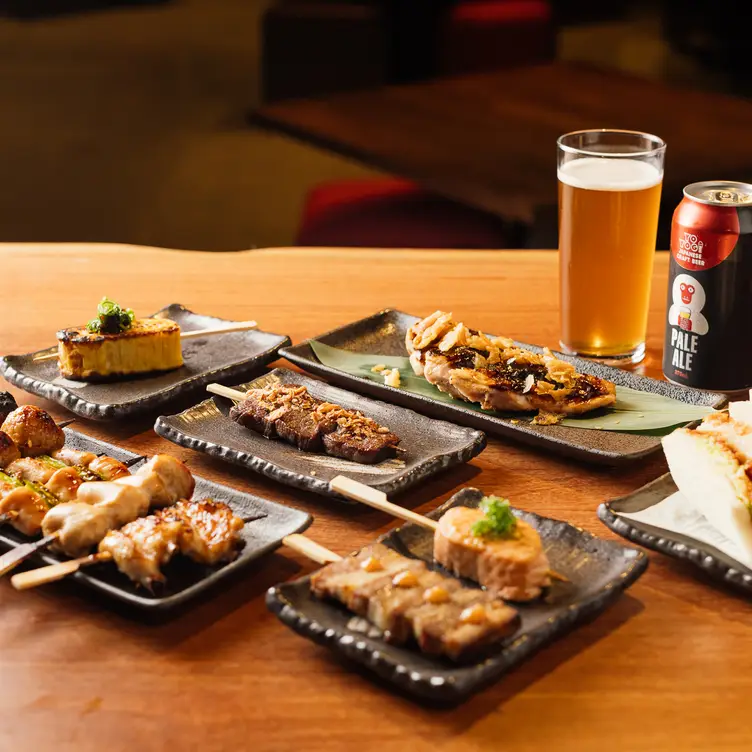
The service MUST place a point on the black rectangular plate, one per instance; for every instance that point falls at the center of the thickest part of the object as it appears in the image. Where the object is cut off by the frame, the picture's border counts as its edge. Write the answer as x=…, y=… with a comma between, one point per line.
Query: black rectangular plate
x=430, y=445
x=597, y=570
x=223, y=358
x=384, y=334
x=709, y=559
x=269, y=523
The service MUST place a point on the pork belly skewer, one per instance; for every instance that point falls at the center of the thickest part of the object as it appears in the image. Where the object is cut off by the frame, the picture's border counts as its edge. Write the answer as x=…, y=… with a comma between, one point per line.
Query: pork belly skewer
x=77, y=526
x=206, y=531
x=510, y=563
x=290, y=413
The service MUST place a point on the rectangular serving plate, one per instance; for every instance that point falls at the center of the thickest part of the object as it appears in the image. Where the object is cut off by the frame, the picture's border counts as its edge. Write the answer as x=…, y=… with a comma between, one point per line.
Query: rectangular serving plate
x=268, y=523
x=384, y=334
x=597, y=572
x=222, y=358
x=710, y=560
x=430, y=446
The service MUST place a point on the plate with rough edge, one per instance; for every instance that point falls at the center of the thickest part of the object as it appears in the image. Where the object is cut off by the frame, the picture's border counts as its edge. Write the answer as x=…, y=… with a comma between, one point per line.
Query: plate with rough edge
x=383, y=333
x=221, y=358
x=427, y=446
x=267, y=523
x=597, y=572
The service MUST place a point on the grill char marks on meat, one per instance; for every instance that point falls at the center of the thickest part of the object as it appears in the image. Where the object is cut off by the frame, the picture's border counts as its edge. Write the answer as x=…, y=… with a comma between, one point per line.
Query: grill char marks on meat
x=410, y=602
x=499, y=375
x=288, y=412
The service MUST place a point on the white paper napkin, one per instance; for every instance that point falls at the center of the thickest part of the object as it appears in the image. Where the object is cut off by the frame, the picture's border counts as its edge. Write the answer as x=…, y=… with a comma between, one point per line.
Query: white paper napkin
x=675, y=514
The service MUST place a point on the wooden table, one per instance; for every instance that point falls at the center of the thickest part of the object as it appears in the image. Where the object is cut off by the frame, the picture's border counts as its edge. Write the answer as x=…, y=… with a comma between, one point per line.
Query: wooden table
x=490, y=140
x=667, y=667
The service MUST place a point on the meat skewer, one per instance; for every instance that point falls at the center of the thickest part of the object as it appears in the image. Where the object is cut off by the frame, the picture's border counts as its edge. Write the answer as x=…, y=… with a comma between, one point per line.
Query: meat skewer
x=75, y=527
x=409, y=602
x=290, y=413
x=513, y=565
x=206, y=531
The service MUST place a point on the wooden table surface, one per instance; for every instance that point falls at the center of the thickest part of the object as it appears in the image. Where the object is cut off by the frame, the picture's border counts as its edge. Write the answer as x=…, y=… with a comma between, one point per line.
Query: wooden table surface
x=669, y=666
x=489, y=140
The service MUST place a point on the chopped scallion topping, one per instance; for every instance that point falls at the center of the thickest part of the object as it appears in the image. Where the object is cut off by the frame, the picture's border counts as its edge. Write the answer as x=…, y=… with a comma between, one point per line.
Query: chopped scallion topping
x=499, y=521
x=111, y=318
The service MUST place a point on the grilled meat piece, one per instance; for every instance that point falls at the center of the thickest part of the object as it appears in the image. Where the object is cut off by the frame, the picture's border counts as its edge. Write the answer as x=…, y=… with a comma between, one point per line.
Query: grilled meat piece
x=9, y=451
x=498, y=375
x=7, y=405
x=207, y=531
x=514, y=568
x=142, y=547
x=23, y=506
x=210, y=532
x=74, y=457
x=108, y=468
x=32, y=468
x=34, y=431
x=406, y=600
x=290, y=413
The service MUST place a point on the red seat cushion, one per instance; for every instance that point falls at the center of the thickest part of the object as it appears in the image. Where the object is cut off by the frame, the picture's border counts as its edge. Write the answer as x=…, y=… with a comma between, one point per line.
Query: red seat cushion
x=486, y=35
x=393, y=213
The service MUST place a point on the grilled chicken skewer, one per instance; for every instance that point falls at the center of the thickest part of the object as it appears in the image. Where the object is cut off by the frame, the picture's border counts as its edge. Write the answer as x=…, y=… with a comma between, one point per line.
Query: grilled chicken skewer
x=207, y=531
x=77, y=526
x=513, y=566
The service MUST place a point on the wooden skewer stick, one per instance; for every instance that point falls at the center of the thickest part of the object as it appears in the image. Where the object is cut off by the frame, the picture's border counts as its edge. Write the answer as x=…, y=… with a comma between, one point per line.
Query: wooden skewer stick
x=54, y=572
x=240, y=326
x=225, y=391
x=377, y=499
x=15, y=556
x=314, y=551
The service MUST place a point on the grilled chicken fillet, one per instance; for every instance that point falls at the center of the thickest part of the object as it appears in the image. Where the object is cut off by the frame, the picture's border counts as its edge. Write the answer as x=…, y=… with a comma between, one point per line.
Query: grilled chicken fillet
x=496, y=374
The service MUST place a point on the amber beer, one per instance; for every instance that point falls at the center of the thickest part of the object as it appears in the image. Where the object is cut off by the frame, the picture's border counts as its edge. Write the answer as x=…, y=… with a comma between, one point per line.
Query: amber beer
x=609, y=196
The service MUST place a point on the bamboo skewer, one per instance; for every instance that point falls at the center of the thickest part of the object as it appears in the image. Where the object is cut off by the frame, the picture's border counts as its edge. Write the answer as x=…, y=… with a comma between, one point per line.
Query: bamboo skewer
x=15, y=556
x=54, y=572
x=225, y=391
x=314, y=551
x=377, y=499
x=240, y=326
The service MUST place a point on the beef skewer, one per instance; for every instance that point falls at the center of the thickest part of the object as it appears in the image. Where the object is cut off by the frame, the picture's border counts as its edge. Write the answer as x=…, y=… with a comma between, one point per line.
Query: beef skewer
x=206, y=531
x=290, y=413
x=513, y=565
x=75, y=527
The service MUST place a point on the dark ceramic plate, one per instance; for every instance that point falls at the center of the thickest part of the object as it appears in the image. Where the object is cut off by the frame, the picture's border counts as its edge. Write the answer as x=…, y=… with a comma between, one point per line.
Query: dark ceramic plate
x=223, y=358
x=384, y=334
x=267, y=523
x=430, y=446
x=709, y=559
x=598, y=571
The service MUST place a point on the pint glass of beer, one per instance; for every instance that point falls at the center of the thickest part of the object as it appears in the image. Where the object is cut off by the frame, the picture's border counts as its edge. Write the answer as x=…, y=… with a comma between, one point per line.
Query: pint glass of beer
x=609, y=194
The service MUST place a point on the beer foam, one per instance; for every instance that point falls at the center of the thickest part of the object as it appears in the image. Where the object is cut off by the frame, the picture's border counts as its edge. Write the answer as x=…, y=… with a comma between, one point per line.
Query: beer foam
x=604, y=174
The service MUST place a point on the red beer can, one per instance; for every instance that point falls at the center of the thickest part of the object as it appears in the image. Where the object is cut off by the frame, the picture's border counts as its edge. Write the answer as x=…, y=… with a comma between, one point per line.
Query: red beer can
x=709, y=330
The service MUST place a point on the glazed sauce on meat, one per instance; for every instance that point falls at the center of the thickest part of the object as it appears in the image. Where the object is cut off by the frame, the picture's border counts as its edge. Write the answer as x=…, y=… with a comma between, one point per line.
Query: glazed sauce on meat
x=512, y=377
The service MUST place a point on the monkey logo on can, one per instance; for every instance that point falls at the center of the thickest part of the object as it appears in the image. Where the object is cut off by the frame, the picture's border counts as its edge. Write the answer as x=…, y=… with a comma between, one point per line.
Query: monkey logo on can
x=708, y=341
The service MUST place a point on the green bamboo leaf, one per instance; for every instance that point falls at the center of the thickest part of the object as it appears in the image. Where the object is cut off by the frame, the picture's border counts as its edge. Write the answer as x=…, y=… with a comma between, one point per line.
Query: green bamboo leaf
x=634, y=412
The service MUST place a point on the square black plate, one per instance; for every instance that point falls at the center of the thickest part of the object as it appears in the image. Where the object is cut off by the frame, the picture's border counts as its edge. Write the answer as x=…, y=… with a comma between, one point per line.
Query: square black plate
x=221, y=357
x=598, y=571
x=709, y=559
x=268, y=524
x=430, y=446
x=384, y=334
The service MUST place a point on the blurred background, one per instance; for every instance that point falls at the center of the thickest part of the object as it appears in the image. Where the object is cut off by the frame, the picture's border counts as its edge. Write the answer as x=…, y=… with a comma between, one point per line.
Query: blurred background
x=131, y=121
